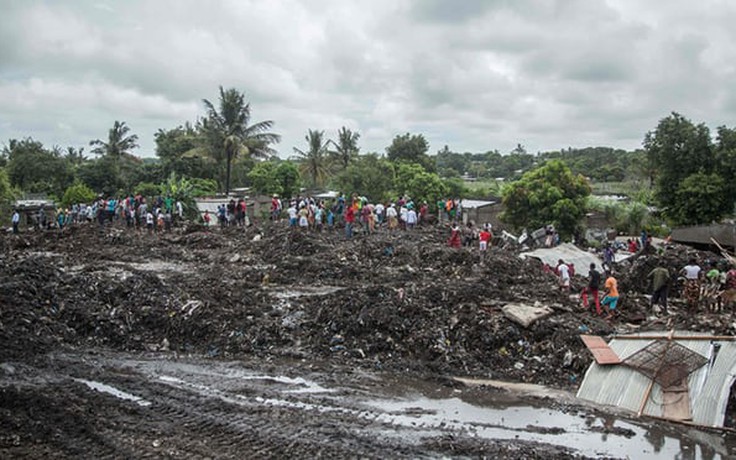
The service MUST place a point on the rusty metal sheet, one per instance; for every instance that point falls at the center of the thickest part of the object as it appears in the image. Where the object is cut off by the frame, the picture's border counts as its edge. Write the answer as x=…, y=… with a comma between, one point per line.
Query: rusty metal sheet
x=602, y=353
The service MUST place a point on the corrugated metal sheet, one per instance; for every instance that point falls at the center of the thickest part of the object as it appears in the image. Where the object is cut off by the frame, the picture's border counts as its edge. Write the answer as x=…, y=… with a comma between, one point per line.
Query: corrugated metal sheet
x=624, y=387
x=474, y=204
x=725, y=234
x=567, y=252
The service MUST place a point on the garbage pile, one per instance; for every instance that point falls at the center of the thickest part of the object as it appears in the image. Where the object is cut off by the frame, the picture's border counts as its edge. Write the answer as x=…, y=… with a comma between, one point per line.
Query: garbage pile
x=399, y=301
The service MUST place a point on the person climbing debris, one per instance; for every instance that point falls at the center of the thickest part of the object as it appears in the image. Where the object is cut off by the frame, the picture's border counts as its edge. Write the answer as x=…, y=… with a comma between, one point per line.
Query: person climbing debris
x=591, y=290
x=610, y=300
x=660, y=286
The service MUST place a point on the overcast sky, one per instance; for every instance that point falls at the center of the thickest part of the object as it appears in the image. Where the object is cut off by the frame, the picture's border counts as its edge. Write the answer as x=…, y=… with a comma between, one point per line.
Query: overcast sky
x=475, y=75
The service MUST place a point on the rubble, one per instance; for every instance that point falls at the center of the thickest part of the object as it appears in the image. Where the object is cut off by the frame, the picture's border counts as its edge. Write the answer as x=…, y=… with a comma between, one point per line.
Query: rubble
x=421, y=307
x=525, y=315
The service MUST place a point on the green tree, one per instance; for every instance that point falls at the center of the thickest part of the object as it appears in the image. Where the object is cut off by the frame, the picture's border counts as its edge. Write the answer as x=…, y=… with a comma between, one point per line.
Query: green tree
x=7, y=195
x=313, y=161
x=263, y=178
x=726, y=163
x=411, y=149
x=678, y=149
x=228, y=131
x=119, y=142
x=346, y=147
x=147, y=189
x=413, y=180
x=33, y=168
x=455, y=187
x=183, y=190
x=287, y=175
x=101, y=175
x=368, y=175
x=180, y=152
x=550, y=194
x=74, y=156
x=701, y=199
x=77, y=193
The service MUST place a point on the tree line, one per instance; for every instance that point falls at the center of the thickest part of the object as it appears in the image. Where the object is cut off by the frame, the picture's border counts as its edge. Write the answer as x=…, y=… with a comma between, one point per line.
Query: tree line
x=690, y=174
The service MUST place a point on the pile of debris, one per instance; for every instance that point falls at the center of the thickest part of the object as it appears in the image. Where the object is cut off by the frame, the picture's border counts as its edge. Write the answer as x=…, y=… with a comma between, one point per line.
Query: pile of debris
x=388, y=300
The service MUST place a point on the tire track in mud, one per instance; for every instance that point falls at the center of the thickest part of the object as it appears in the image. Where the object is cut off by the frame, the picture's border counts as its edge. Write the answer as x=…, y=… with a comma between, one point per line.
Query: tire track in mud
x=232, y=423
x=62, y=417
x=141, y=413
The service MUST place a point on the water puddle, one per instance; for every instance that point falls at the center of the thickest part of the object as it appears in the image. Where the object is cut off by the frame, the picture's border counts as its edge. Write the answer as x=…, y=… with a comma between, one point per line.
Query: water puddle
x=103, y=388
x=412, y=410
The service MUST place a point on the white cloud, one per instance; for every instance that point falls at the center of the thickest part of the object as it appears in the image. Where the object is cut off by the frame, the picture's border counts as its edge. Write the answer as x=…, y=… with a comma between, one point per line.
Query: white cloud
x=476, y=75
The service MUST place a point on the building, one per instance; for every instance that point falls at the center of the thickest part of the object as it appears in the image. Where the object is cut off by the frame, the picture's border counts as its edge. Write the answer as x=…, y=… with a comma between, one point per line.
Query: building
x=479, y=212
x=700, y=235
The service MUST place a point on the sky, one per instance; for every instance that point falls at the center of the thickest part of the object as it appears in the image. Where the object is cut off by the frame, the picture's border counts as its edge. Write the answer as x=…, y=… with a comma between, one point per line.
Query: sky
x=475, y=75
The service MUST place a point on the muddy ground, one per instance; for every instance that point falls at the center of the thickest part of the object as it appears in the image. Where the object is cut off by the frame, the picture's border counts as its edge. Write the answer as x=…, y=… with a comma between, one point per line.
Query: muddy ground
x=384, y=304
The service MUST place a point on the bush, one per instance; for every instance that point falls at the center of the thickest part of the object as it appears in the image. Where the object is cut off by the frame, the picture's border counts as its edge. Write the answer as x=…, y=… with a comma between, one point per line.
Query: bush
x=77, y=193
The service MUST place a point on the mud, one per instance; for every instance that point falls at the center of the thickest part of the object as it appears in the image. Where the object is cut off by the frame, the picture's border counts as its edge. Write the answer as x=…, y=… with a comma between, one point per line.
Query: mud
x=346, y=312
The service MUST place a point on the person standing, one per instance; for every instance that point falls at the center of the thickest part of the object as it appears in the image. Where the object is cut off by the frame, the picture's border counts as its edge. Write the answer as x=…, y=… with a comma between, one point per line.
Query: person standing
x=563, y=271
x=454, y=240
x=660, y=286
x=15, y=221
x=392, y=216
x=485, y=237
x=411, y=218
x=349, y=221
x=691, y=271
x=594, y=282
x=380, y=211
x=610, y=300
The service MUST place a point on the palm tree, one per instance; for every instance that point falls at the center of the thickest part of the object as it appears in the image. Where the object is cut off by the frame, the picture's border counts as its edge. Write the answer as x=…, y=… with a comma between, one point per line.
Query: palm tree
x=228, y=130
x=314, y=160
x=346, y=147
x=75, y=156
x=119, y=143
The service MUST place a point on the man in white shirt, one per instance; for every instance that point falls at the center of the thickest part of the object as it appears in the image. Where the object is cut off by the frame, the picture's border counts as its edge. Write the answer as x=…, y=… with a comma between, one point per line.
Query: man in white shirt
x=292, y=215
x=16, y=220
x=411, y=219
x=379, y=210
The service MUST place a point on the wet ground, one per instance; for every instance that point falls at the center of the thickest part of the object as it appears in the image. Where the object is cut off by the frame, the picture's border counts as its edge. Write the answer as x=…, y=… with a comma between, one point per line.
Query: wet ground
x=203, y=344
x=113, y=405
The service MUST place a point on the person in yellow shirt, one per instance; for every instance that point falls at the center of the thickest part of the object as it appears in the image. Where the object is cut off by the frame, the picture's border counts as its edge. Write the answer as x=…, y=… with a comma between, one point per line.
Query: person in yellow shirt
x=610, y=300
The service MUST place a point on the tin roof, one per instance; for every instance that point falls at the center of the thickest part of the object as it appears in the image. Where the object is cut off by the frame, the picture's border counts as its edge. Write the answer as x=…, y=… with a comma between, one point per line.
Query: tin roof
x=472, y=204
x=622, y=386
x=569, y=253
x=723, y=233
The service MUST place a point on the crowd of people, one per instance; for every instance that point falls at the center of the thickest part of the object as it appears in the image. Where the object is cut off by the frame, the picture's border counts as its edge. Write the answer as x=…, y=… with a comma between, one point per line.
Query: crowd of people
x=714, y=286
x=133, y=211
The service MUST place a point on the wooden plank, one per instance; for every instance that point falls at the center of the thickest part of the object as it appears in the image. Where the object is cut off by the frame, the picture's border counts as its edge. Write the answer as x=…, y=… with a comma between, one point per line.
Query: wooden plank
x=602, y=353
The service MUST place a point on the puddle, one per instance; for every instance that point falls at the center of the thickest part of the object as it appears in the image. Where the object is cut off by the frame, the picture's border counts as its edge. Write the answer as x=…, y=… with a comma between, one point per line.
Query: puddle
x=413, y=410
x=103, y=388
x=517, y=422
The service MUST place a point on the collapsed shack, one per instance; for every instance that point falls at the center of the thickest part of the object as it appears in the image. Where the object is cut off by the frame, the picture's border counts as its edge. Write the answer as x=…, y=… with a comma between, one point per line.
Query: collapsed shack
x=682, y=376
x=567, y=252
